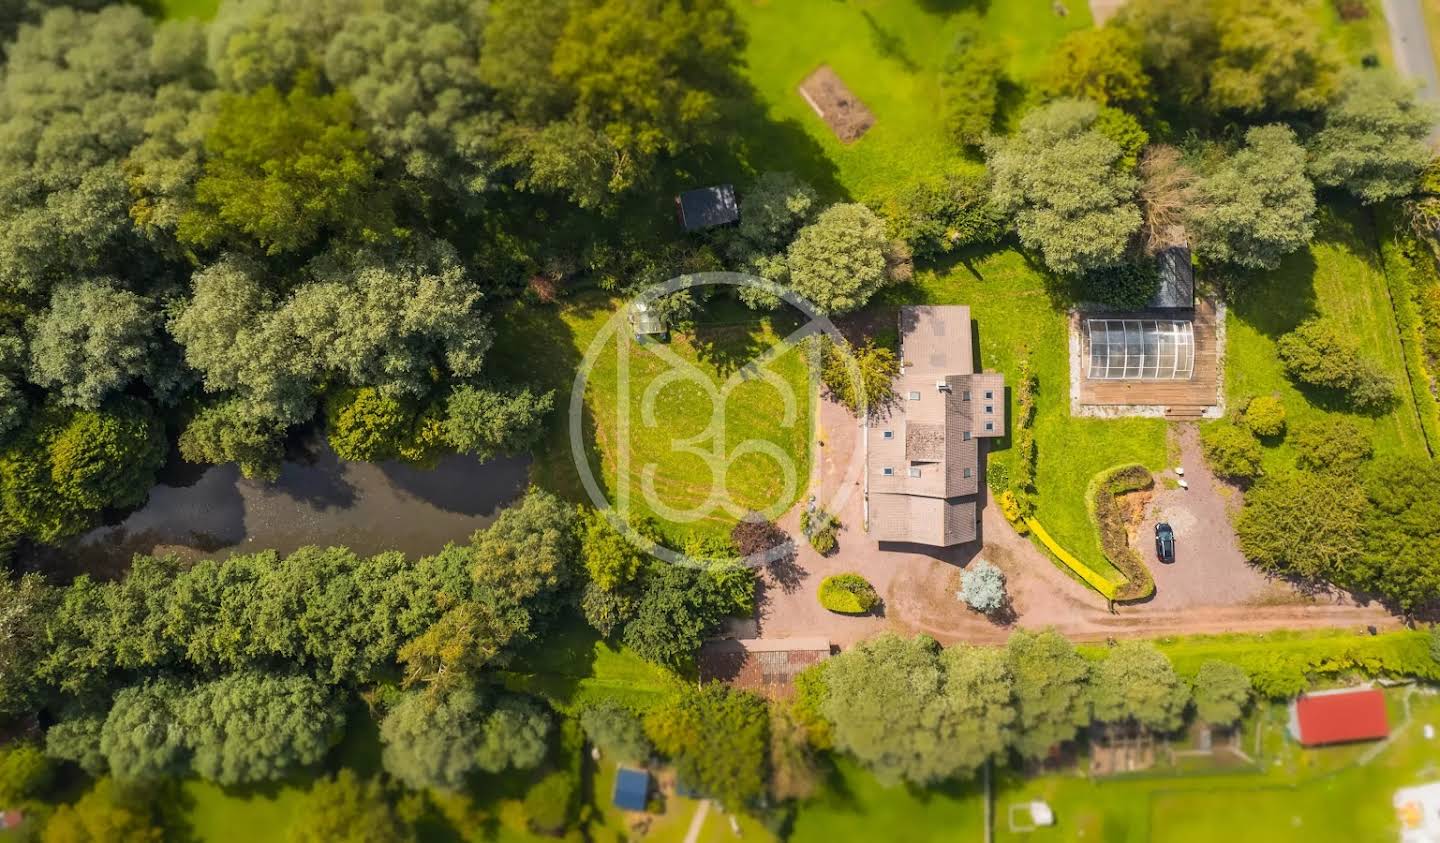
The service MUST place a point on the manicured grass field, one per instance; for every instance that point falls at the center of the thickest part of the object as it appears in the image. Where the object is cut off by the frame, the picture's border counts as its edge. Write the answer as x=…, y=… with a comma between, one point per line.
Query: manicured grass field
x=888, y=52
x=657, y=422
x=1324, y=795
x=1338, y=276
x=855, y=806
x=1016, y=317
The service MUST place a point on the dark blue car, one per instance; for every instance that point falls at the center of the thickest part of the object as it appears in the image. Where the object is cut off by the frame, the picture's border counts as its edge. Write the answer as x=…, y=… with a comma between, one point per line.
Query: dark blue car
x=1164, y=542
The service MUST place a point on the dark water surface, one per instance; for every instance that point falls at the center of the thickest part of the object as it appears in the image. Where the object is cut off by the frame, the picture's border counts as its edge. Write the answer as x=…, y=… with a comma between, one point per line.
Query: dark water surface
x=212, y=511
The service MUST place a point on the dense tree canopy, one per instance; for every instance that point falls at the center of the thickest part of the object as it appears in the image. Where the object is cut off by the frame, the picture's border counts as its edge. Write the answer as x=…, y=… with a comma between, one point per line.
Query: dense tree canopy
x=719, y=740
x=1064, y=183
x=1136, y=682
x=909, y=711
x=1375, y=139
x=1258, y=206
x=1052, y=703
x=1234, y=56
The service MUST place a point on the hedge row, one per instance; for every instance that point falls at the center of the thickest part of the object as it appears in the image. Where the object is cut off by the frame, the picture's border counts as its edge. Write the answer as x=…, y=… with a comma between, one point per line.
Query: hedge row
x=1282, y=664
x=1415, y=294
x=1086, y=573
x=1102, y=499
x=1023, y=427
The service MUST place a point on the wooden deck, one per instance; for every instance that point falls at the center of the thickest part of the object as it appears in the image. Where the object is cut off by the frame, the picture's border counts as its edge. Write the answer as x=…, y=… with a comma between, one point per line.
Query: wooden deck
x=1182, y=399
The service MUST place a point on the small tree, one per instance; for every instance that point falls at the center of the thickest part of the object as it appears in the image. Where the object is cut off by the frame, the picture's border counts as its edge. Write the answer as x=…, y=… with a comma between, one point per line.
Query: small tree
x=1232, y=451
x=1136, y=682
x=616, y=732
x=861, y=377
x=1222, y=691
x=1321, y=354
x=1374, y=143
x=1265, y=416
x=982, y=587
x=718, y=739
x=1258, y=206
x=1331, y=445
x=839, y=261
x=1102, y=65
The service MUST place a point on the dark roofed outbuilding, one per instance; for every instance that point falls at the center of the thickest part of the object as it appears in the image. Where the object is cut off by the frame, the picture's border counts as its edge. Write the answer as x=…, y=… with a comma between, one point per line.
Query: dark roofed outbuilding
x=708, y=207
x=1177, y=279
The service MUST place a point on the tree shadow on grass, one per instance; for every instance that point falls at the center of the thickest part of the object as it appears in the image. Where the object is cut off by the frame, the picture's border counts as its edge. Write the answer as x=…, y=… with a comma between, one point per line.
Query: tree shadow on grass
x=750, y=141
x=1276, y=302
x=888, y=44
x=950, y=7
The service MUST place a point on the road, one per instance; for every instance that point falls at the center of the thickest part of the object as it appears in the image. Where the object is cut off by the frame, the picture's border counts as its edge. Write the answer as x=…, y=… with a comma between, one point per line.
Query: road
x=1413, y=56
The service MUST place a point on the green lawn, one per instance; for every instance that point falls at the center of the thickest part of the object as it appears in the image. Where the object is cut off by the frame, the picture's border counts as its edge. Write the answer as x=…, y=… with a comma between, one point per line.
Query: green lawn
x=1360, y=37
x=680, y=397
x=1321, y=795
x=1339, y=276
x=181, y=9
x=574, y=668
x=888, y=52
x=855, y=806
x=1015, y=317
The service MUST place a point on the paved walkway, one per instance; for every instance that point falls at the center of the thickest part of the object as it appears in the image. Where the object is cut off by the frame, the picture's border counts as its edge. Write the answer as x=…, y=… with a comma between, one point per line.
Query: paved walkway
x=1411, y=42
x=918, y=585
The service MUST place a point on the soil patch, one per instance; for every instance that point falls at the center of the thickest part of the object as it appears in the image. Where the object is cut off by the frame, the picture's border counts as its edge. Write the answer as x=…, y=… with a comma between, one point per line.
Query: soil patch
x=841, y=110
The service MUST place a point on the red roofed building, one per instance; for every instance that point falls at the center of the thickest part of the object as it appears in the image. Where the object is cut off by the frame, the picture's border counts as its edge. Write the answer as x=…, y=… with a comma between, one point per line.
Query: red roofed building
x=1328, y=717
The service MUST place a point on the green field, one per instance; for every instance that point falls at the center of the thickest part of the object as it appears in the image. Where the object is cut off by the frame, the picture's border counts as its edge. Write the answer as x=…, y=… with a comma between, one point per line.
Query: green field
x=1321, y=795
x=1016, y=317
x=181, y=9
x=889, y=55
x=678, y=398
x=1339, y=276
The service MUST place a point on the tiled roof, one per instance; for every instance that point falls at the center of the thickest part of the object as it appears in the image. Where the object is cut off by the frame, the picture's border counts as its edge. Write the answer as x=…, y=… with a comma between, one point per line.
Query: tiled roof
x=924, y=465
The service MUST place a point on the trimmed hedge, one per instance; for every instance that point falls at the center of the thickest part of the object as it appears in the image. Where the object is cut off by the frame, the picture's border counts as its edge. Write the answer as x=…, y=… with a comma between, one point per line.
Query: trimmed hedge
x=1101, y=498
x=848, y=594
x=1096, y=581
x=1415, y=294
x=1282, y=664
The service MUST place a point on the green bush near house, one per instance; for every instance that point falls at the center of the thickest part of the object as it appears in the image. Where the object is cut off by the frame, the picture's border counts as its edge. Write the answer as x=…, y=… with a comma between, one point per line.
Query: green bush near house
x=1232, y=451
x=1264, y=416
x=848, y=594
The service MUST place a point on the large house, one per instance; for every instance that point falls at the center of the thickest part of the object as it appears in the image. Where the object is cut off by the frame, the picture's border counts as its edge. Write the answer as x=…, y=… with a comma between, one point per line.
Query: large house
x=923, y=471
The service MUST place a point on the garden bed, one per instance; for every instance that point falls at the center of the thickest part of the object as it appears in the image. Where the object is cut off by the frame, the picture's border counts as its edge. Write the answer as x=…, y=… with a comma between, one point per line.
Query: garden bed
x=841, y=110
x=1115, y=514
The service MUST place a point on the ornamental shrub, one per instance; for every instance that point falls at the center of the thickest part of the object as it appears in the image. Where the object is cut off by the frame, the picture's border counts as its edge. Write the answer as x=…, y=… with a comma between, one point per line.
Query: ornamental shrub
x=982, y=587
x=1265, y=416
x=1232, y=451
x=848, y=594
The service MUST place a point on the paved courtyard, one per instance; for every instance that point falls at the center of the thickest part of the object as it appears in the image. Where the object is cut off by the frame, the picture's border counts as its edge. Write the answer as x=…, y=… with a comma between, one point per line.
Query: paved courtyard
x=1210, y=588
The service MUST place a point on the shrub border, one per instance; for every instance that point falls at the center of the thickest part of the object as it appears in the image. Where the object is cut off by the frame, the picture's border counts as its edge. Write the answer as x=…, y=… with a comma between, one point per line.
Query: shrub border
x=1140, y=583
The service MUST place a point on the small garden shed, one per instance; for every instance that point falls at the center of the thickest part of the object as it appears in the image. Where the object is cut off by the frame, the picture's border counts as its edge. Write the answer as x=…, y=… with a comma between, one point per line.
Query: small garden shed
x=707, y=207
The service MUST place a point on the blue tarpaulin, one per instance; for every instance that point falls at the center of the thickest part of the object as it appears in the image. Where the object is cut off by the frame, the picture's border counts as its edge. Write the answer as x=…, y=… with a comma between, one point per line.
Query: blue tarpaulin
x=631, y=788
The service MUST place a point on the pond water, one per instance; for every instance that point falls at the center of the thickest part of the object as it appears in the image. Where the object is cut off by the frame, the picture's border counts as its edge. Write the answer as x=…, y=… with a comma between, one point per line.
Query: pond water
x=211, y=511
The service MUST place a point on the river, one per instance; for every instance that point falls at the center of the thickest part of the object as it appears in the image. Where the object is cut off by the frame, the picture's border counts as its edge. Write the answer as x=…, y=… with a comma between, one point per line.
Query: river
x=200, y=511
